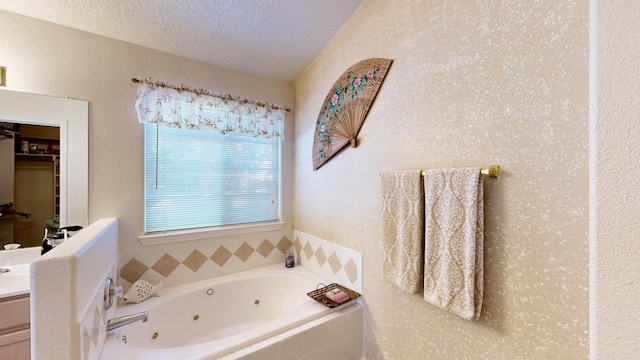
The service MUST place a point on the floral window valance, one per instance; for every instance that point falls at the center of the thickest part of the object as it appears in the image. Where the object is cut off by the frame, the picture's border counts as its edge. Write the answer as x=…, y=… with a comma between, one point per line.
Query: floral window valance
x=185, y=108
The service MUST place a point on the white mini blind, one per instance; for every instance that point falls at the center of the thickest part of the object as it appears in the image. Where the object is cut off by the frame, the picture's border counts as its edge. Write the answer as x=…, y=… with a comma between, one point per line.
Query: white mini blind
x=198, y=179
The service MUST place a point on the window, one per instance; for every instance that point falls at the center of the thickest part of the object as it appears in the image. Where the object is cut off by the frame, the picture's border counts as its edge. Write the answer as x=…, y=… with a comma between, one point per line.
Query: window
x=211, y=160
x=198, y=179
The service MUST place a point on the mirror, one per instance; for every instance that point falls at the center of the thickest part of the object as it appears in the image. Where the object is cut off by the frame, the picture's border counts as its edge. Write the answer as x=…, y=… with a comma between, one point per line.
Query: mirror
x=71, y=117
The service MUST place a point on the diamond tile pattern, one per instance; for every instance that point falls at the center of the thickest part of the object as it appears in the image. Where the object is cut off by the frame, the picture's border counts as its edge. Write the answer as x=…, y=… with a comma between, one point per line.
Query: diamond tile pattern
x=308, y=250
x=92, y=324
x=321, y=257
x=330, y=260
x=244, y=252
x=352, y=270
x=133, y=270
x=284, y=244
x=221, y=256
x=96, y=330
x=334, y=262
x=103, y=314
x=265, y=248
x=165, y=265
x=297, y=245
x=86, y=343
x=195, y=260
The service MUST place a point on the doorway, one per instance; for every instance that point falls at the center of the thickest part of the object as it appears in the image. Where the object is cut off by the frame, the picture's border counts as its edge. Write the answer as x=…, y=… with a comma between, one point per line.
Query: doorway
x=30, y=182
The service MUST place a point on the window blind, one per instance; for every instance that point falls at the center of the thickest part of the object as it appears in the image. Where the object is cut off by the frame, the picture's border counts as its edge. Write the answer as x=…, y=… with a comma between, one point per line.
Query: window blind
x=198, y=179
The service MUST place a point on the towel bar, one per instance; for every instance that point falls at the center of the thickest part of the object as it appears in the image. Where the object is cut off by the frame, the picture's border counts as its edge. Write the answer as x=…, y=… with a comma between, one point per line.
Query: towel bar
x=493, y=171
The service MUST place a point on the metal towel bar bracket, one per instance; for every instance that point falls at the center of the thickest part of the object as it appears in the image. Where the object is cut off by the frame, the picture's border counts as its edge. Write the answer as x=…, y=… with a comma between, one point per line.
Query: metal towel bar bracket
x=493, y=171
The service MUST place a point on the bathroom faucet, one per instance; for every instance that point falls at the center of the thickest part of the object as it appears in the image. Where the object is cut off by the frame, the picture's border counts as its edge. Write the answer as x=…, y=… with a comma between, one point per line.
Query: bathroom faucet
x=127, y=319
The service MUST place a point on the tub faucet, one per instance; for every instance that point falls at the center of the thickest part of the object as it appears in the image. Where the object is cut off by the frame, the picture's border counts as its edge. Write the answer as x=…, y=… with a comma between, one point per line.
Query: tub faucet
x=126, y=320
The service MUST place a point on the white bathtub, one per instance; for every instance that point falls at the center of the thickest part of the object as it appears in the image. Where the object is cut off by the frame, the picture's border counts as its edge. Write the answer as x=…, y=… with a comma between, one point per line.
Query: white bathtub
x=187, y=322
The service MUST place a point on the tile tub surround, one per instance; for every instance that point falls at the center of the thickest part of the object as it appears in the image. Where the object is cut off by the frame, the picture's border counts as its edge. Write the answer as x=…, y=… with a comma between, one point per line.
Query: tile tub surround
x=93, y=330
x=197, y=260
x=65, y=285
x=335, y=336
x=331, y=261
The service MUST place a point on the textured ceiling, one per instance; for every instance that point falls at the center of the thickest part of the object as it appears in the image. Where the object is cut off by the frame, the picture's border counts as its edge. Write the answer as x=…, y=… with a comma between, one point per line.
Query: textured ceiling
x=271, y=38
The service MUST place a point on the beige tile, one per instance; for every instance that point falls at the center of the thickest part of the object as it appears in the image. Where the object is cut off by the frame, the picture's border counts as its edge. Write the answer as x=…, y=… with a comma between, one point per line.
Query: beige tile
x=221, y=256
x=335, y=263
x=154, y=278
x=308, y=250
x=133, y=270
x=265, y=248
x=297, y=244
x=320, y=256
x=195, y=260
x=165, y=265
x=244, y=252
x=284, y=244
x=352, y=270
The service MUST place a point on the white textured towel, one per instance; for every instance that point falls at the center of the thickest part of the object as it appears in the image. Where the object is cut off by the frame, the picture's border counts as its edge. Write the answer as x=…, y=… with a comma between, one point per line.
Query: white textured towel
x=403, y=229
x=454, y=240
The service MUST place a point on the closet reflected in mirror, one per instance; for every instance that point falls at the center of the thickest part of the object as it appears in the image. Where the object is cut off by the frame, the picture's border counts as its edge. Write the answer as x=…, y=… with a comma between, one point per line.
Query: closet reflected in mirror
x=29, y=182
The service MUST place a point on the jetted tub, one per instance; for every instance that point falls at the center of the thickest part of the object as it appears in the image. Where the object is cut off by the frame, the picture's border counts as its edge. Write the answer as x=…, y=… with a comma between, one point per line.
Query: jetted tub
x=214, y=317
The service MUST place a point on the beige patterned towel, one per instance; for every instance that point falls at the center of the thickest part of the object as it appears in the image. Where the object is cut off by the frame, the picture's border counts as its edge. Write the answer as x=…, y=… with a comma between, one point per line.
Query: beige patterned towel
x=403, y=229
x=454, y=240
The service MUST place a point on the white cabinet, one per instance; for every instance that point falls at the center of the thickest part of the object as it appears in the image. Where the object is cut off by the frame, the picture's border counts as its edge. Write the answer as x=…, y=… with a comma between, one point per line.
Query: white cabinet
x=15, y=337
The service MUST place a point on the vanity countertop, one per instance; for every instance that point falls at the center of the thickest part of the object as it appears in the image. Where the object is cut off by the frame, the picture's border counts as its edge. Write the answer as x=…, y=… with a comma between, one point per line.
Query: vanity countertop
x=17, y=281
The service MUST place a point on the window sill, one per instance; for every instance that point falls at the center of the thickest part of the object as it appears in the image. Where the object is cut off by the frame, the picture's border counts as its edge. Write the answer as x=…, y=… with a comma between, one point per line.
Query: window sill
x=199, y=234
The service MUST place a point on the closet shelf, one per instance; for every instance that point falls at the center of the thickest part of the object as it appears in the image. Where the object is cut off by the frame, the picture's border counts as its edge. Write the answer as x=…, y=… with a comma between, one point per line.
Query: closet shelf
x=51, y=157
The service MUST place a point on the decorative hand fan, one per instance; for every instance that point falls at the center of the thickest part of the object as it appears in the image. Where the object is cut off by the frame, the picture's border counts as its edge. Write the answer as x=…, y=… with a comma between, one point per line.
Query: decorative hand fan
x=345, y=108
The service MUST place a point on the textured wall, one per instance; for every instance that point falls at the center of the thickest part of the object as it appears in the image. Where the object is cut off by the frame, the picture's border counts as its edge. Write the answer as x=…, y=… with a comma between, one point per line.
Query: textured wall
x=615, y=158
x=55, y=60
x=70, y=324
x=472, y=84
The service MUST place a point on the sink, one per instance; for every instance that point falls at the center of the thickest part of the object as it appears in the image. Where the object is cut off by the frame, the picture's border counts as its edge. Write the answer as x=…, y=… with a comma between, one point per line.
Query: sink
x=19, y=256
x=17, y=281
